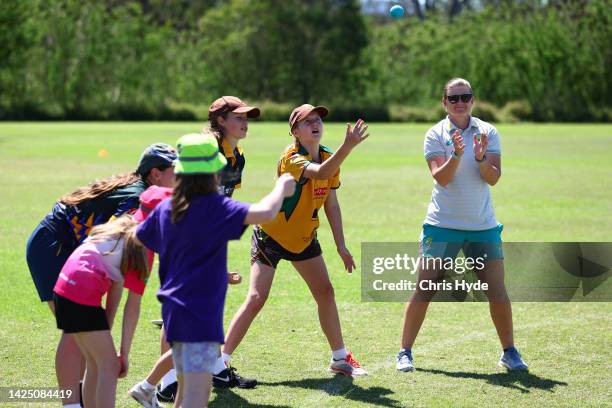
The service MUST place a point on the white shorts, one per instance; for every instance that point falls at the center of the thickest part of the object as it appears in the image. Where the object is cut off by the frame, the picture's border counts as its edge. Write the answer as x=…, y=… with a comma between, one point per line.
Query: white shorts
x=197, y=357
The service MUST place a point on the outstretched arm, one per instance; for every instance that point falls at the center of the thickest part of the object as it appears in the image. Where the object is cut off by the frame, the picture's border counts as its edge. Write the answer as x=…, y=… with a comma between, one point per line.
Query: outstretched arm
x=354, y=135
x=265, y=210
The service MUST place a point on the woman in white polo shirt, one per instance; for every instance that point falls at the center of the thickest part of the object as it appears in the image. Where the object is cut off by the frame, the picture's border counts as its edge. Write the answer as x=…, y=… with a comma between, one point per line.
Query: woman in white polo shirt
x=464, y=157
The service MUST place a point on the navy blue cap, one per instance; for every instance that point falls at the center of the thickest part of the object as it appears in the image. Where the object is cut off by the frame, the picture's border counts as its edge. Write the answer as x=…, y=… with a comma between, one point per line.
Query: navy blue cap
x=156, y=155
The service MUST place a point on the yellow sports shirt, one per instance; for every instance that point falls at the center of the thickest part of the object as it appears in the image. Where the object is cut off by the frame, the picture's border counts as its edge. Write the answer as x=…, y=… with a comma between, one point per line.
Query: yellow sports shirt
x=231, y=175
x=296, y=224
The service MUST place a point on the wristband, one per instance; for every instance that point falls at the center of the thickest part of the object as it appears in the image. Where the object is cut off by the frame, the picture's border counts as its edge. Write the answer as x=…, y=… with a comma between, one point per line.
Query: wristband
x=484, y=157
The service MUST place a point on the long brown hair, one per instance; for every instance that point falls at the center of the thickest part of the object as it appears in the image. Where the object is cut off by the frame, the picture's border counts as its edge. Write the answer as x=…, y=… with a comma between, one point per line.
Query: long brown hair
x=99, y=188
x=134, y=255
x=214, y=127
x=188, y=186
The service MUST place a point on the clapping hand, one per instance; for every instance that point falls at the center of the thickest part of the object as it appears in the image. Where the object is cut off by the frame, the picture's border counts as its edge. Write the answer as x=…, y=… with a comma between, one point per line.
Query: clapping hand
x=458, y=143
x=481, y=142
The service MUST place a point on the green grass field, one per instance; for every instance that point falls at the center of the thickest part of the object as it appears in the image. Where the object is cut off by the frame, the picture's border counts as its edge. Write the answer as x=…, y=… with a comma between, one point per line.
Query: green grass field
x=555, y=187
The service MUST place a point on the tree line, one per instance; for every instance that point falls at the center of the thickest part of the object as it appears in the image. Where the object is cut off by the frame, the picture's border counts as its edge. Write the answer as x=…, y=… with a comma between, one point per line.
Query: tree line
x=159, y=59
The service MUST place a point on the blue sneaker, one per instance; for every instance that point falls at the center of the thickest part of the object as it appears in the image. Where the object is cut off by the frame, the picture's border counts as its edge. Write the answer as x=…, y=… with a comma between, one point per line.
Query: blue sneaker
x=511, y=359
x=404, y=360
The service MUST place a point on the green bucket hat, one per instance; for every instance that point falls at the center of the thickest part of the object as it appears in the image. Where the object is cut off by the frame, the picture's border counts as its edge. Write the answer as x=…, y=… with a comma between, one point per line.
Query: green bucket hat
x=198, y=153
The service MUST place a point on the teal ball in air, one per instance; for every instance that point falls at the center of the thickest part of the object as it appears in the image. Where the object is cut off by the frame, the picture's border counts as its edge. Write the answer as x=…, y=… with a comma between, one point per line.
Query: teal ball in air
x=396, y=11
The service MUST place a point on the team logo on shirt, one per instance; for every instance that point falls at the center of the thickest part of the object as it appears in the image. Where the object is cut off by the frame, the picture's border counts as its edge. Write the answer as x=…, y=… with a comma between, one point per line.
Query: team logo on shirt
x=320, y=192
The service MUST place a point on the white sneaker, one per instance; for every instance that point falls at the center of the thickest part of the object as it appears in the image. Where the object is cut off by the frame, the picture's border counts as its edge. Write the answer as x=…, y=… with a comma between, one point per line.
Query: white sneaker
x=405, y=361
x=347, y=366
x=511, y=359
x=143, y=396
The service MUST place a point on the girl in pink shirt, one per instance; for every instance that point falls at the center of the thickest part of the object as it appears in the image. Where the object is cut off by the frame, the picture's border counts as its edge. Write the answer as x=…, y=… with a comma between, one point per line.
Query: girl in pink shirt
x=96, y=268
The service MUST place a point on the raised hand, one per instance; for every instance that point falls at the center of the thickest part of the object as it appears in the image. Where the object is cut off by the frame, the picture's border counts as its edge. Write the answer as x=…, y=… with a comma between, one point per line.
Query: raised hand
x=355, y=134
x=458, y=143
x=481, y=142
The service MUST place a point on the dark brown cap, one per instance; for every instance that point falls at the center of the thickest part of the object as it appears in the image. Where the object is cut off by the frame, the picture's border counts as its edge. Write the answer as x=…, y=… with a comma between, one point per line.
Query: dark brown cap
x=232, y=104
x=302, y=111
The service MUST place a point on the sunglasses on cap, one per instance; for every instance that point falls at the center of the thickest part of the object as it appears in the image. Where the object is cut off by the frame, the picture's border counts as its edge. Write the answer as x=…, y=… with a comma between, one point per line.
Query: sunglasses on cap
x=465, y=98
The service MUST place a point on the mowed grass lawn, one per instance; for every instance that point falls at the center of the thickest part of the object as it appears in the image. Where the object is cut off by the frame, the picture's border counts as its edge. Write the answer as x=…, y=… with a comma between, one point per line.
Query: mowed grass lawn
x=556, y=186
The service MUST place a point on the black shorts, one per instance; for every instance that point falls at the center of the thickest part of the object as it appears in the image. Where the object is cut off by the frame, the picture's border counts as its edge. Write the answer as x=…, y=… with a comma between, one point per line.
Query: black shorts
x=72, y=317
x=267, y=251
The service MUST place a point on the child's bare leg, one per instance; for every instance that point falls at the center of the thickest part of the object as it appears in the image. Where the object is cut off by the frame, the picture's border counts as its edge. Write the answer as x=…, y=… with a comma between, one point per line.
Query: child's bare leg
x=196, y=390
x=90, y=379
x=69, y=367
x=99, y=347
x=259, y=289
x=161, y=367
x=163, y=344
x=179, y=391
x=314, y=273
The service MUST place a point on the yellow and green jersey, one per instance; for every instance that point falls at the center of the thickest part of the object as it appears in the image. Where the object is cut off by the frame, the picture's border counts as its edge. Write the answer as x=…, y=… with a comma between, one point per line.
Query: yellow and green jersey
x=296, y=224
x=231, y=175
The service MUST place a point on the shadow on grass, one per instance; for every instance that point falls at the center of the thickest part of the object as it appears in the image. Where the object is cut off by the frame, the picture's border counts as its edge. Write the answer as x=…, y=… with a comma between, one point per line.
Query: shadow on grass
x=227, y=398
x=342, y=386
x=517, y=380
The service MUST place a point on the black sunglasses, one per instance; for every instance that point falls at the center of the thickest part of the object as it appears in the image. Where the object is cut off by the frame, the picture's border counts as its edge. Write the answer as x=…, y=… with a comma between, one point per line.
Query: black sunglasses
x=465, y=98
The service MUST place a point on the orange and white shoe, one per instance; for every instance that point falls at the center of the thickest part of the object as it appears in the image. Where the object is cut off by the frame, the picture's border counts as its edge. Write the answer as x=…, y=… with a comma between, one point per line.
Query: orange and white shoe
x=347, y=366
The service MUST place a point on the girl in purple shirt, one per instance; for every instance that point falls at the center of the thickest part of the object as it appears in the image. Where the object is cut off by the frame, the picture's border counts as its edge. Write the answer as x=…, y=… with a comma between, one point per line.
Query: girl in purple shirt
x=190, y=232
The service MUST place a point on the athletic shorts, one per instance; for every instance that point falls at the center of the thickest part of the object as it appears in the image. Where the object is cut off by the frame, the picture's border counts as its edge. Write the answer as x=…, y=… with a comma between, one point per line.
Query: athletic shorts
x=267, y=251
x=436, y=242
x=72, y=317
x=197, y=357
x=46, y=256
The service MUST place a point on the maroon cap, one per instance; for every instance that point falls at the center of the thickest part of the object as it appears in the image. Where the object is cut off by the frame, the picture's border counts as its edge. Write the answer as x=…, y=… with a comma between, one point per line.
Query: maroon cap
x=301, y=112
x=149, y=200
x=232, y=104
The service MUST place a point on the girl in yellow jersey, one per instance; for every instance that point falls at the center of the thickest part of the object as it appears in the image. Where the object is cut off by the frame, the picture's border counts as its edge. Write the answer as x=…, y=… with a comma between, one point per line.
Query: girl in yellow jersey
x=292, y=234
